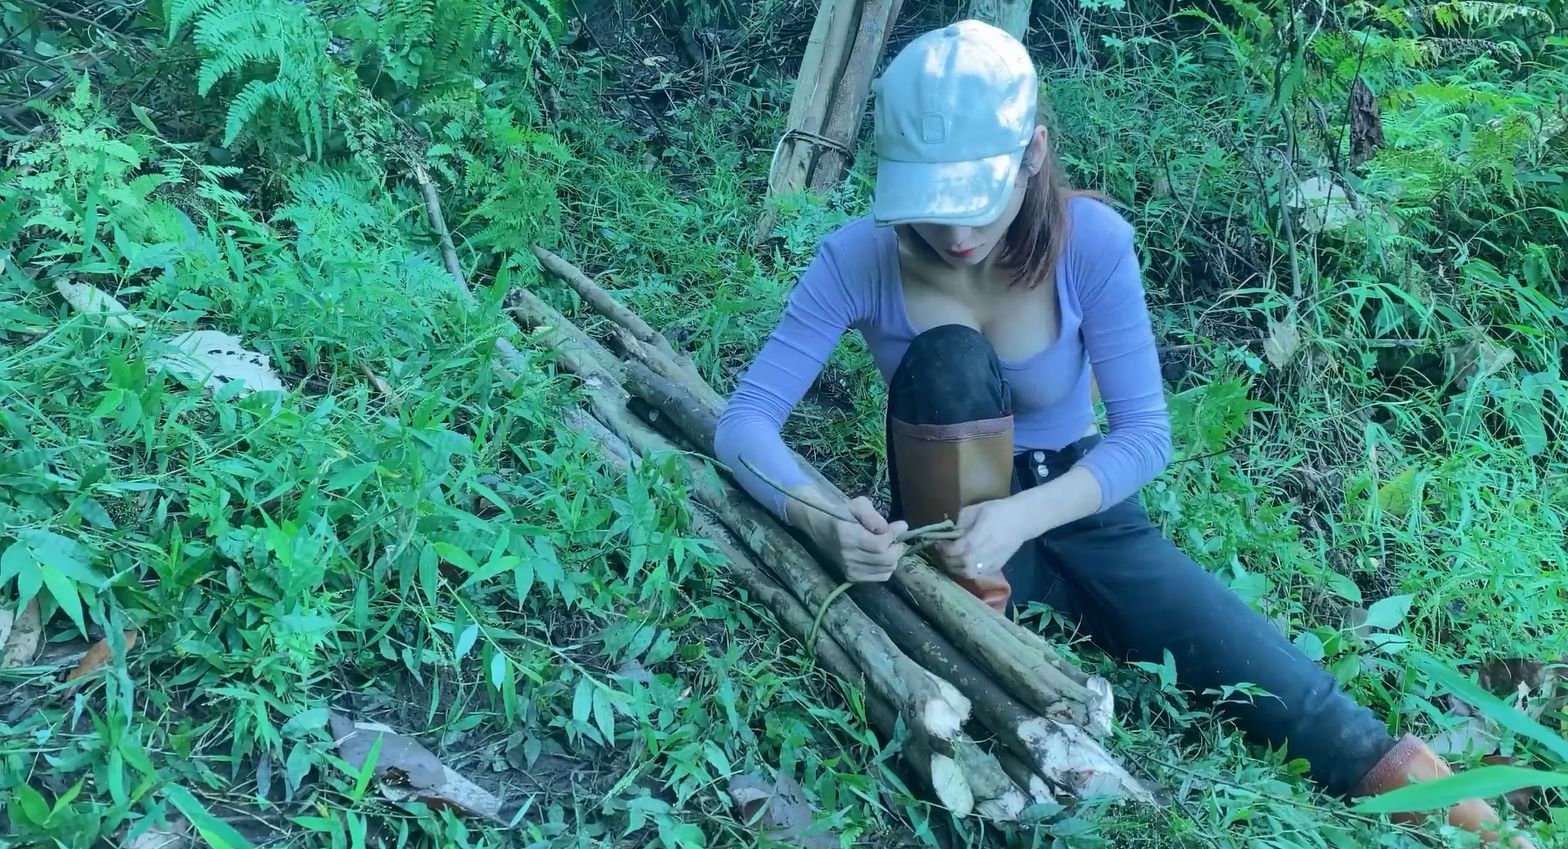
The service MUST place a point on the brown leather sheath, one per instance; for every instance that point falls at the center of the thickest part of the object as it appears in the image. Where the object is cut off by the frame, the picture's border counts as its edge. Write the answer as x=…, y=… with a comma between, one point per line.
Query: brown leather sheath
x=943, y=468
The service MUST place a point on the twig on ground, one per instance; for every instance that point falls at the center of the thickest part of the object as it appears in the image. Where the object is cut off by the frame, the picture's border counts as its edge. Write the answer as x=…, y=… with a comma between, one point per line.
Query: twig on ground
x=378, y=382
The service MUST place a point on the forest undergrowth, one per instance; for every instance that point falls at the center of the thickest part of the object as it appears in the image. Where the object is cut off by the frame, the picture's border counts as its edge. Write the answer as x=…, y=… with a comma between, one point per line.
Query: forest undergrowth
x=1351, y=219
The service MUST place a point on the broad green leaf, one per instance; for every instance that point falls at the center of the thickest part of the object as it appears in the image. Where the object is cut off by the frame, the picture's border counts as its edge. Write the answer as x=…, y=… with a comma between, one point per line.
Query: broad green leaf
x=1487, y=782
x=1342, y=586
x=496, y=566
x=16, y=558
x=604, y=714
x=217, y=833
x=582, y=701
x=1387, y=613
x=456, y=556
x=1494, y=708
x=498, y=670
x=65, y=594
x=33, y=804
x=523, y=572
x=465, y=641
x=63, y=554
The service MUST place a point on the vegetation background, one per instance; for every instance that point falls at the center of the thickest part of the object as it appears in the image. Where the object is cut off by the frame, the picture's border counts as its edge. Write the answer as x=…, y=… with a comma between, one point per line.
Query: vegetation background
x=1367, y=388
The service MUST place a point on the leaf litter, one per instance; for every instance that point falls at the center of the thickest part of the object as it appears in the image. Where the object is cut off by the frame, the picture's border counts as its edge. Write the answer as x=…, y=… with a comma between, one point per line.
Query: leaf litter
x=24, y=634
x=406, y=771
x=215, y=359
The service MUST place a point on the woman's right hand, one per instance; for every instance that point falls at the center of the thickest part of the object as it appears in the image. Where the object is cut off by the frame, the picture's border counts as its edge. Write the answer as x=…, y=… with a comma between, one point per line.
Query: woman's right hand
x=866, y=549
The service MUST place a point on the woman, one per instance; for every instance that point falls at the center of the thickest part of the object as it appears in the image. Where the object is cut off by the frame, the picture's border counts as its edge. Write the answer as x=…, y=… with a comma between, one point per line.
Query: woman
x=993, y=300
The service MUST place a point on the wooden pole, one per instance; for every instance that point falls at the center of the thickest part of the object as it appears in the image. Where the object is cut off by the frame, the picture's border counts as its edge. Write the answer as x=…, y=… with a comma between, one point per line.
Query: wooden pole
x=831, y=89
x=1009, y=15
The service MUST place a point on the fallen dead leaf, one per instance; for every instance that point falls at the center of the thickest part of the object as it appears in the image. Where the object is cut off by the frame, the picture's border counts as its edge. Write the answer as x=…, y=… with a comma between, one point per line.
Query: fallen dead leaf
x=407, y=772
x=91, y=300
x=98, y=655
x=1470, y=738
x=1282, y=342
x=779, y=810
x=6, y=618
x=1478, y=360
x=1326, y=206
x=21, y=646
x=215, y=359
x=175, y=834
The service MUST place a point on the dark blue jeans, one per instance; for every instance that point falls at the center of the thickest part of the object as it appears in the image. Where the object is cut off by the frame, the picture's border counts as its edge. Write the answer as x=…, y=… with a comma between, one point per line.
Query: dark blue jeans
x=1115, y=577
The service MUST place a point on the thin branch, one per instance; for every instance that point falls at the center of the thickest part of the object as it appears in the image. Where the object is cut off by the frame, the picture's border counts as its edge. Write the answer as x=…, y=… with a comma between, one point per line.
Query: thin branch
x=438, y=223
x=943, y=530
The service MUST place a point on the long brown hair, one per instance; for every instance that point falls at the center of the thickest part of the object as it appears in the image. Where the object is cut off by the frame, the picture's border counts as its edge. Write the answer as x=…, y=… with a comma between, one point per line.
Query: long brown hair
x=1038, y=234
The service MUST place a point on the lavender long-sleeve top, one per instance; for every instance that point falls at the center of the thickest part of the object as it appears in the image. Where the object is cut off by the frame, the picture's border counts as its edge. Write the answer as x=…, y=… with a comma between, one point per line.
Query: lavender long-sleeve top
x=854, y=282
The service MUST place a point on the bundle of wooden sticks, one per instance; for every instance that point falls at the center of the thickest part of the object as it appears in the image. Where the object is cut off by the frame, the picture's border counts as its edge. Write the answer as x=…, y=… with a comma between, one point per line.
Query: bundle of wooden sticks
x=996, y=720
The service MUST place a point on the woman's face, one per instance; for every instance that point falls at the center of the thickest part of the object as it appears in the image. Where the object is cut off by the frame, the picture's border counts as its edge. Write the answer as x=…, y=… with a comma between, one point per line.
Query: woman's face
x=963, y=247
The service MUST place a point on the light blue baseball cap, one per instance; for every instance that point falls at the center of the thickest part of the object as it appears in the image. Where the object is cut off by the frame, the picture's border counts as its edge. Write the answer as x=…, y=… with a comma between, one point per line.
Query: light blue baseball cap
x=954, y=112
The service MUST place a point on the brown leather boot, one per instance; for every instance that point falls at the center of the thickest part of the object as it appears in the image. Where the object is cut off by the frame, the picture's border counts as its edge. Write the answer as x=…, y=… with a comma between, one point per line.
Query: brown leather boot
x=943, y=468
x=1411, y=761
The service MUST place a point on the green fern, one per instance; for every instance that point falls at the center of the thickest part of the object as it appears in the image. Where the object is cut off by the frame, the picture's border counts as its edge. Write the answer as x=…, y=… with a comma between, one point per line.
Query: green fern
x=277, y=52
x=457, y=37
x=1479, y=15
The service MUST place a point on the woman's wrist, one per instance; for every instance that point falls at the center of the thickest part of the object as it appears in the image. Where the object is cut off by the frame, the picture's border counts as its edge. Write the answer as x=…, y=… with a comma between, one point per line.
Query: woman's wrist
x=1058, y=501
x=801, y=517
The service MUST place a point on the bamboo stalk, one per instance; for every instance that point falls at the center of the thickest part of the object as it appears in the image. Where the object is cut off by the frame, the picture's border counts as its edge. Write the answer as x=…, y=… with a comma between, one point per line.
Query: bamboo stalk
x=1061, y=753
x=996, y=796
x=949, y=778
x=1028, y=669
x=821, y=70
x=941, y=772
x=438, y=222
x=1038, y=790
x=1010, y=15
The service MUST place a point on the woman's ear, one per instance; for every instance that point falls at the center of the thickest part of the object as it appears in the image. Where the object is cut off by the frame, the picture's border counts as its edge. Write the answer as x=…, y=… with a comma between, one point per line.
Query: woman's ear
x=1034, y=157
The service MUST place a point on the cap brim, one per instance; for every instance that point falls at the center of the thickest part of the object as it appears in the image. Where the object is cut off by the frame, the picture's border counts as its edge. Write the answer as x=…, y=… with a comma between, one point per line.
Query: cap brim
x=965, y=194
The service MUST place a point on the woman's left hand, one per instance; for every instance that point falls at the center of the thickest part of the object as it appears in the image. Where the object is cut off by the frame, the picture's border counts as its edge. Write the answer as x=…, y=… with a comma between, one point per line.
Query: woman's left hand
x=992, y=532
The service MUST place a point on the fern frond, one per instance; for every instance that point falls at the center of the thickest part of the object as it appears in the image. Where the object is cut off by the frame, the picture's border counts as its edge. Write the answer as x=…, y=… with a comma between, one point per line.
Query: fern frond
x=181, y=11
x=246, y=105
x=1479, y=14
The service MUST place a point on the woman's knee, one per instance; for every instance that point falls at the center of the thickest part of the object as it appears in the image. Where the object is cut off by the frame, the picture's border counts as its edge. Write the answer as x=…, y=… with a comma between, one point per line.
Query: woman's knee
x=950, y=368
x=949, y=347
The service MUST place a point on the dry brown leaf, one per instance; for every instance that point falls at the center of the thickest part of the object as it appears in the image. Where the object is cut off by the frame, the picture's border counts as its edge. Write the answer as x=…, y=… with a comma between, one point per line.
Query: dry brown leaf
x=94, y=301
x=1472, y=737
x=779, y=810
x=6, y=618
x=215, y=359
x=98, y=655
x=1282, y=342
x=408, y=772
x=175, y=834
x=21, y=646
x=1325, y=205
x=1478, y=360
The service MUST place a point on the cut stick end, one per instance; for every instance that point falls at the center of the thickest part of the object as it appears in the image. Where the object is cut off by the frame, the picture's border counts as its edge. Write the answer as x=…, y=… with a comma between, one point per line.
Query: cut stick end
x=1004, y=808
x=942, y=720
x=1101, y=706
x=1039, y=791
x=1071, y=759
x=950, y=785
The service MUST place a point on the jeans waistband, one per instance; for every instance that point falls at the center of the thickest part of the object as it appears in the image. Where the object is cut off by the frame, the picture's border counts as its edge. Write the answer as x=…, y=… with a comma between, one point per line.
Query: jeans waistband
x=1029, y=461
